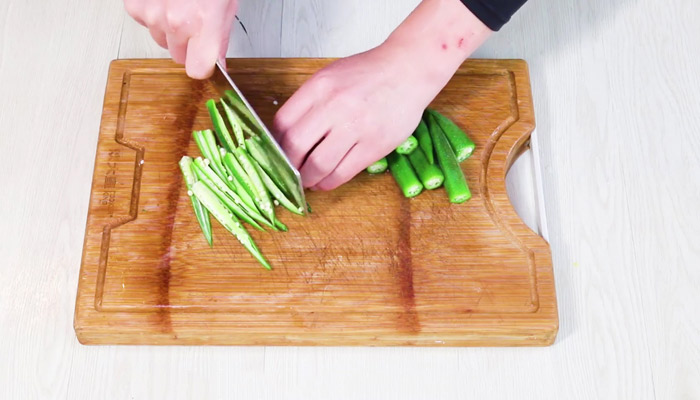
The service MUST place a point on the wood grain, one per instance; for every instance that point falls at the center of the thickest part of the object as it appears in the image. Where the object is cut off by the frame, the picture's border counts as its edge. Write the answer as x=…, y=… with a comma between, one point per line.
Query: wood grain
x=619, y=70
x=367, y=267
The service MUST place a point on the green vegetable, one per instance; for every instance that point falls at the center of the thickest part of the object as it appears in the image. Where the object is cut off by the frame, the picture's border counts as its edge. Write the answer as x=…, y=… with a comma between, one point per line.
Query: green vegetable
x=242, y=188
x=252, y=211
x=226, y=195
x=245, y=128
x=210, y=153
x=424, y=141
x=408, y=145
x=378, y=166
x=199, y=211
x=279, y=164
x=280, y=226
x=234, y=167
x=274, y=171
x=455, y=182
x=235, y=123
x=401, y=169
x=462, y=145
x=275, y=191
x=430, y=174
x=246, y=116
x=220, y=126
x=262, y=198
x=228, y=220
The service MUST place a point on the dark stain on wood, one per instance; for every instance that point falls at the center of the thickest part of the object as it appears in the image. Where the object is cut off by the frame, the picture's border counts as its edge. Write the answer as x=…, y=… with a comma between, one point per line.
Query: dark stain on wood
x=404, y=270
x=184, y=124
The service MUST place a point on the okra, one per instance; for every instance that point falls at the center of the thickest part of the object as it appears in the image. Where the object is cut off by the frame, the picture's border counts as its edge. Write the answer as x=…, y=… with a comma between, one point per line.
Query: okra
x=233, y=166
x=228, y=176
x=407, y=146
x=220, y=126
x=430, y=174
x=424, y=141
x=250, y=209
x=235, y=123
x=226, y=195
x=256, y=151
x=279, y=164
x=242, y=188
x=403, y=173
x=280, y=226
x=228, y=220
x=378, y=167
x=199, y=211
x=208, y=151
x=246, y=116
x=262, y=198
x=462, y=145
x=455, y=182
x=275, y=191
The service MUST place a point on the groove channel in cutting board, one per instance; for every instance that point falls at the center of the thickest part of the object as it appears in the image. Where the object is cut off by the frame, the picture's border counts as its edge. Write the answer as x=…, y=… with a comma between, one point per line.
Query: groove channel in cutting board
x=367, y=267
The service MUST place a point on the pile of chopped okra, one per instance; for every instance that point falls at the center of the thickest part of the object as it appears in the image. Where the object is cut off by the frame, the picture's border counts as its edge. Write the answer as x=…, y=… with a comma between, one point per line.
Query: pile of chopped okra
x=239, y=177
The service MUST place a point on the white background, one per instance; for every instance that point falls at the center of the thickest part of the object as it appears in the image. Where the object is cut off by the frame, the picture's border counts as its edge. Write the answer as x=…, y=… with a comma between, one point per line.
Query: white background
x=616, y=86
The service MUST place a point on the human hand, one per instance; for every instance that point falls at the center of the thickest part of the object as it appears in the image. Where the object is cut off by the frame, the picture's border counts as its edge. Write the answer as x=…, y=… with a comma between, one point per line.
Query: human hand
x=195, y=31
x=348, y=115
x=358, y=109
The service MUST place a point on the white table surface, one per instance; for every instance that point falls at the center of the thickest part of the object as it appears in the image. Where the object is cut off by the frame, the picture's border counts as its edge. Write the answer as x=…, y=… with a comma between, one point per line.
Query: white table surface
x=616, y=86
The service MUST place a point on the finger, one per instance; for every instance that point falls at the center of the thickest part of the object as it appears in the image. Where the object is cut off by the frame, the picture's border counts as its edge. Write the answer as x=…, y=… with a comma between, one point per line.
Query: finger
x=298, y=141
x=202, y=52
x=205, y=48
x=134, y=8
x=154, y=18
x=326, y=157
x=159, y=36
x=139, y=21
x=226, y=31
x=353, y=163
x=177, y=44
x=294, y=109
x=182, y=21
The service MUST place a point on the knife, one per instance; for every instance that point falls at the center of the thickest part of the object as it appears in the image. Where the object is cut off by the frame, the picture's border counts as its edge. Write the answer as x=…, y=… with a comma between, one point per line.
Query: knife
x=228, y=90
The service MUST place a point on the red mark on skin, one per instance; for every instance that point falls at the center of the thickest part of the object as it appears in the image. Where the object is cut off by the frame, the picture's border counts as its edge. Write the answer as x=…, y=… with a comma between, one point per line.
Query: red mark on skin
x=461, y=42
x=444, y=46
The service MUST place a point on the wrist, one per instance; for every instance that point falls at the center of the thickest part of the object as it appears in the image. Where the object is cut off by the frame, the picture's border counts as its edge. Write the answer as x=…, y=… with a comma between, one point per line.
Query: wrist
x=435, y=40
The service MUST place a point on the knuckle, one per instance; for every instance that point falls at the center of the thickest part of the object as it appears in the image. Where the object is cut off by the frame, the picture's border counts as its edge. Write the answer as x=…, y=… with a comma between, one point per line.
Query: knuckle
x=292, y=144
x=132, y=7
x=319, y=163
x=323, y=83
x=281, y=122
x=175, y=20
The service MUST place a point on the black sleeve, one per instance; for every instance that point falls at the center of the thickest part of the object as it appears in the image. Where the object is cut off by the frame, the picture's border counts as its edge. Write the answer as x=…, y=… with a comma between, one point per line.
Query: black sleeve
x=494, y=13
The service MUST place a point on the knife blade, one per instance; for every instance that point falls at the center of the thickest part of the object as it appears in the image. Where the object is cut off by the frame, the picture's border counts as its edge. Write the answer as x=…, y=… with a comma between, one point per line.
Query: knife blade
x=228, y=90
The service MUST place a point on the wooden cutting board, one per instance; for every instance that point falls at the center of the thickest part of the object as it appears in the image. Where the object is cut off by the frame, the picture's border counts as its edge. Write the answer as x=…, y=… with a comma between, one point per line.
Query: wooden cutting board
x=367, y=267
